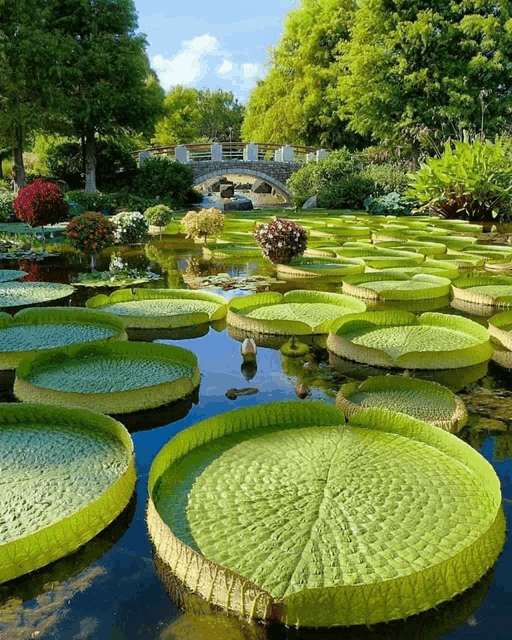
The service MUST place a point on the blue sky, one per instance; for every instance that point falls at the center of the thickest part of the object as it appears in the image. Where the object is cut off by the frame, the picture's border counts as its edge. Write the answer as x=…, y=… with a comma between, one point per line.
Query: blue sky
x=215, y=45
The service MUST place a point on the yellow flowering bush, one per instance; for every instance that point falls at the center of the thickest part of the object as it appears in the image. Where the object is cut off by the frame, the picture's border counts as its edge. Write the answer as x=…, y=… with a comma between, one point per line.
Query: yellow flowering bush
x=203, y=223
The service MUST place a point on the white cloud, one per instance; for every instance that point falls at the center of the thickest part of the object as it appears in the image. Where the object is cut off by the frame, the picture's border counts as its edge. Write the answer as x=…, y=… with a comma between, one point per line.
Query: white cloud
x=189, y=64
x=225, y=67
x=249, y=69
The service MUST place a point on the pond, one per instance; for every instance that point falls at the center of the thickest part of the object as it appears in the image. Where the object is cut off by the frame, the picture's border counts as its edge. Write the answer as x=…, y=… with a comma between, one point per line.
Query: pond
x=110, y=588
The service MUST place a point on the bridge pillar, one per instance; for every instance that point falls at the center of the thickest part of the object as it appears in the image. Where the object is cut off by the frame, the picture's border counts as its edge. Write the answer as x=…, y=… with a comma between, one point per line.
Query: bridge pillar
x=251, y=153
x=321, y=153
x=287, y=152
x=143, y=156
x=216, y=152
x=181, y=154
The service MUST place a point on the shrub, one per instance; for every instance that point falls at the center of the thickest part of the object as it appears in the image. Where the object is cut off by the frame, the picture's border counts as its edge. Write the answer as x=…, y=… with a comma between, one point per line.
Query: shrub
x=159, y=215
x=40, y=203
x=392, y=203
x=6, y=209
x=194, y=196
x=203, y=223
x=108, y=202
x=163, y=178
x=66, y=162
x=281, y=240
x=315, y=178
x=387, y=178
x=347, y=193
x=91, y=232
x=130, y=227
x=471, y=180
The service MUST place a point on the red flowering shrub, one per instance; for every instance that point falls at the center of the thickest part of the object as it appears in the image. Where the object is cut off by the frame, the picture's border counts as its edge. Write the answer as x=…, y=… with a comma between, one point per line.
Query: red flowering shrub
x=40, y=203
x=90, y=232
x=281, y=240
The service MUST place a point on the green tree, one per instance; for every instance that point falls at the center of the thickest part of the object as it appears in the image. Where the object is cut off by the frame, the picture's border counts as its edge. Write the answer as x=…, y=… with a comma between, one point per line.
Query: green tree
x=180, y=124
x=104, y=77
x=297, y=101
x=419, y=68
x=193, y=115
x=27, y=97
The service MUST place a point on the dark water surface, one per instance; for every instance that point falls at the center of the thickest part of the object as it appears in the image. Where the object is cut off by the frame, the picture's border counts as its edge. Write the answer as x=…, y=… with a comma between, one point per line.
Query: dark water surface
x=110, y=590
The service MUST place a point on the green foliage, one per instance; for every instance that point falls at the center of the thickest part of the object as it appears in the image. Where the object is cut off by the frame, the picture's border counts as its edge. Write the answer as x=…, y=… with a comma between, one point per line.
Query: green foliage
x=203, y=223
x=65, y=161
x=347, y=193
x=471, y=180
x=6, y=209
x=159, y=215
x=193, y=115
x=296, y=102
x=163, y=178
x=390, y=204
x=80, y=201
x=387, y=177
x=410, y=70
x=318, y=177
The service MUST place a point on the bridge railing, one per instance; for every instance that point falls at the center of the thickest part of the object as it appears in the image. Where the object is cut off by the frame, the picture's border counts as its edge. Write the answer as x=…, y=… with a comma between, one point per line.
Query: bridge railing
x=243, y=151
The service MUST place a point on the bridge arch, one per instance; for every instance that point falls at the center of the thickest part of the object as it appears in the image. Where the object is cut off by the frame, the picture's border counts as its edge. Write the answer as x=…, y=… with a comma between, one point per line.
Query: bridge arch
x=241, y=170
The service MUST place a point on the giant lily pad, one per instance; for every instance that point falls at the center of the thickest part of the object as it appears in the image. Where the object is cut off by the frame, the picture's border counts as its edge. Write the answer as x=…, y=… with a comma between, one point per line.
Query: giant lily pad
x=500, y=327
x=400, y=339
x=11, y=274
x=389, y=517
x=118, y=377
x=65, y=474
x=23, y=294
x=297, y=312
x=328, y=269
x=396, y=286
x=32, y=331
x=161, y=308
x=495, y=291
x=427, y=401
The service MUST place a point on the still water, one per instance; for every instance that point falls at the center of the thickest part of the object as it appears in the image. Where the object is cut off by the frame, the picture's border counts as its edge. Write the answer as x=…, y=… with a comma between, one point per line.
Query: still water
x=110, y=589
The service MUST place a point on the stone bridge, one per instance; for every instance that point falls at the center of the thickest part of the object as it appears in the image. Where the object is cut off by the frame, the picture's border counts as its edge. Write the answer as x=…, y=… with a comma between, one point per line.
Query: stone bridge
x=272, y=163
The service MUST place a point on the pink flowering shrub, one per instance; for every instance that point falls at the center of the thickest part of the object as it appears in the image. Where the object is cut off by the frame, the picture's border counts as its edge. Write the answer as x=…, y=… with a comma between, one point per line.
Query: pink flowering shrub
x=91, y=232
x=40, y=203
x=281, y=240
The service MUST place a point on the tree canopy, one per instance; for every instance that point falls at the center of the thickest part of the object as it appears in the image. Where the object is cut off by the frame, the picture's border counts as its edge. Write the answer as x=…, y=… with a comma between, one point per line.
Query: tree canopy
x=199, y=115
x=393, y=71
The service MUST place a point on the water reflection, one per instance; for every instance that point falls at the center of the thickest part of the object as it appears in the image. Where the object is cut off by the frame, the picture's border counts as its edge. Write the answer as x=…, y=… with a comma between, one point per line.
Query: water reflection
x=160, y=416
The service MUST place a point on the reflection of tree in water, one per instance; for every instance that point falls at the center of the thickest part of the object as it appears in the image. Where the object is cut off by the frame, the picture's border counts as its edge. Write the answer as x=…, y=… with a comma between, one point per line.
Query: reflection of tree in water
x=47, y=271
x=474, y=437
x=502, y=445
x=20, y=622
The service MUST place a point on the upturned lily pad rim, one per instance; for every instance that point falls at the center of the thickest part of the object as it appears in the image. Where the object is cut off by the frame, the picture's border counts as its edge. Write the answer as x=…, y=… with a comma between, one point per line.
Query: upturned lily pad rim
x=397, y=598
x=237, y=306
x=454, y=424
x=500, y=327
x=146, y=396
x=56, y=315
x=68, y=534
x=339, y=342
x=324, y=268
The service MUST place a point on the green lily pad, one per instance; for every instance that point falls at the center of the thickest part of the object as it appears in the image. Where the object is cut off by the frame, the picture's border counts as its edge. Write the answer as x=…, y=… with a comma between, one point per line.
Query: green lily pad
x=32, y=331
x=11, y=274
x=400, y=339
x=385, y=505
x=328, y=269
x=495, y=291
x=118, y=377
x=23, y=294
x=297, y=312
x=161, y=308
x=421, y=399
x=65, y=475
x=396, y=286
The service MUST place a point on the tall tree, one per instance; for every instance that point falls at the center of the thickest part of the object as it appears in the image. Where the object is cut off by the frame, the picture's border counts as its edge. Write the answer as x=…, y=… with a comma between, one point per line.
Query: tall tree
x=296, y=102
x=418, y=66
x=27, y=98
x=196, y=115
x=105, y=78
